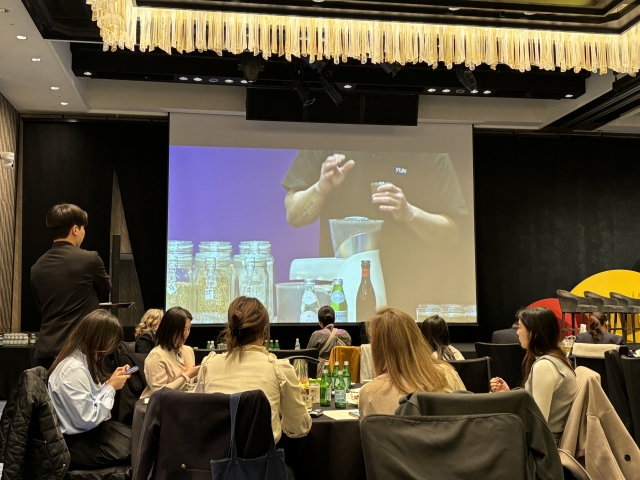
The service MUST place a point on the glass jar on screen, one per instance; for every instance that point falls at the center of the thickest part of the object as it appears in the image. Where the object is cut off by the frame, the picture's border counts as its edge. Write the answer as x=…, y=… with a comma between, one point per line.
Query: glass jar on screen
x=179, y=271
x=212, y=292
x=250, y=277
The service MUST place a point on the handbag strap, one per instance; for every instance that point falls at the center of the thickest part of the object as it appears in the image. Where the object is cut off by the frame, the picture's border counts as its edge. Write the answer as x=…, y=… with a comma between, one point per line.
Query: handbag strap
x=234, y=402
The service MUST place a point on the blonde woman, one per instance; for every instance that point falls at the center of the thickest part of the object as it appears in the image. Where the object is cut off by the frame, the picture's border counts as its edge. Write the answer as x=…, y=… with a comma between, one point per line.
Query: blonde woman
x=403, y=364
x=146, y=330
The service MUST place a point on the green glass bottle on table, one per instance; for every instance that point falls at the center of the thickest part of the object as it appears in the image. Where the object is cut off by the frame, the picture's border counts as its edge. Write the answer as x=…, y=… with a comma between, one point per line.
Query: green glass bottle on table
x=334, y=375
x=341, y=391
x=338, y=301
x=271, y=345
x=277, y=346
x=347, y=375
x=325, y=388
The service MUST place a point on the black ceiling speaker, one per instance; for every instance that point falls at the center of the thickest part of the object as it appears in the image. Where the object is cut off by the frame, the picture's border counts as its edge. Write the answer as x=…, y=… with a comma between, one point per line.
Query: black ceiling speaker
x=466, y=78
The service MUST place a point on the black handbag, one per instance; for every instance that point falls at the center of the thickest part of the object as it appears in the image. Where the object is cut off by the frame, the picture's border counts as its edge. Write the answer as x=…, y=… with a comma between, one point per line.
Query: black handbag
x=268, y=467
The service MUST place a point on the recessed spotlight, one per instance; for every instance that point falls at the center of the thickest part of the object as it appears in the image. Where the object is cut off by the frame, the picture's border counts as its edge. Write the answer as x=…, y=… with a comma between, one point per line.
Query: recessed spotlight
x=529, y=13
x=487, y=92
x=348, y=86
x=460, y=90
x=88, y=74
x=454, y=9
x=4, y=10
x=21, y=37
x=446, y=90
x=184, y=79
x=474, y=91
x=55, y=88
x=197, y=79
x=35, y=59
x=431, y=90
x=213, y=80
x=568, y=95
x=64, y=103
x=318, y=1
x=228, y=80
x=243, y=81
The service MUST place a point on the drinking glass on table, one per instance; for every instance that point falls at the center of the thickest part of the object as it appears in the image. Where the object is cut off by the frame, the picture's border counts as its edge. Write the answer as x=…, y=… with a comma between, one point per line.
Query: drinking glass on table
x=308, y=401
x=567, y=344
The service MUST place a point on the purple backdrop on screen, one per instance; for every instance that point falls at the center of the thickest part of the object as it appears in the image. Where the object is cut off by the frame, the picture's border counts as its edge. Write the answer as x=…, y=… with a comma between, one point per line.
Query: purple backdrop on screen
x=235, y=194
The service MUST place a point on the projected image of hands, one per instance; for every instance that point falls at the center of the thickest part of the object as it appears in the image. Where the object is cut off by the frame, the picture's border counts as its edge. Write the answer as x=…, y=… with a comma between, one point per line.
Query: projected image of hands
x=352, y=229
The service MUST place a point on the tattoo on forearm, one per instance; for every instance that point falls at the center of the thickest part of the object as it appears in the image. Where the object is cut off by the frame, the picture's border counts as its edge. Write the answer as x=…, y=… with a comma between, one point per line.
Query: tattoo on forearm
x=304, y=212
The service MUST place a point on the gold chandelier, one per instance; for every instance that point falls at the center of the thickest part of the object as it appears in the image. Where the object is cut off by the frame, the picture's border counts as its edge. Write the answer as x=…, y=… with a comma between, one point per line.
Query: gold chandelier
x=364, y=40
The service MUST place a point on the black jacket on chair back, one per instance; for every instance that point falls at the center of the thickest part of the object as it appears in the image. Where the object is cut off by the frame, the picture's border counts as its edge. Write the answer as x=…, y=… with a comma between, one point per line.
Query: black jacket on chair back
x=31, y=444
x=183, y=432
x=67, y=283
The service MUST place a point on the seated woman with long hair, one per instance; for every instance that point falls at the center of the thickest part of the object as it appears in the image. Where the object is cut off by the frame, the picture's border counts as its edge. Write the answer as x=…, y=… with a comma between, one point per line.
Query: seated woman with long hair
x=171, y=364
x=598, y=331
x=436, y=333
x=83, y=393
x=403, y=364
x=548, y=374
x=247, y=365
x=146, y=330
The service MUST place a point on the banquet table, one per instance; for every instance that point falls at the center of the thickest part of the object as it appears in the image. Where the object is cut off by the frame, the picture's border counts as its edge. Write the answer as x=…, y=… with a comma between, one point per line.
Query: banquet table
x=14, y=360
x=332, y=448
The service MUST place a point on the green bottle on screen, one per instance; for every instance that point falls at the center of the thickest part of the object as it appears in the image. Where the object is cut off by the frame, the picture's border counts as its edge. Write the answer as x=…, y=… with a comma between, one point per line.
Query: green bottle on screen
x=341, y=391
x=325, y=388
x=338, y=301
x=347, y=375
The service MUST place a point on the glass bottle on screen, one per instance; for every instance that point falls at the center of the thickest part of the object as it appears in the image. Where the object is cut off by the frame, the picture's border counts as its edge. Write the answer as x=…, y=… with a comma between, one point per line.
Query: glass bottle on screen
x=341, y=391
x=338, y=301
x=347, y=375
x=325, y=388
x=310, y=305
x=366, y=297
x=334, y=375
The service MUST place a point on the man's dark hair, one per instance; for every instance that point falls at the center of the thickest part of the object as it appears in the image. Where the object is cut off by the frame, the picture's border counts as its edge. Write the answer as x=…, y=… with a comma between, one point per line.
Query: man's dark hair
x=62, y=217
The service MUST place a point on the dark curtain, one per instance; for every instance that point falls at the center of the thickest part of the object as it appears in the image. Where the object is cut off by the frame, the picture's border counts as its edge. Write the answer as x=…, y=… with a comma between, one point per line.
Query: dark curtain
x=550, y=212
x=74, y=162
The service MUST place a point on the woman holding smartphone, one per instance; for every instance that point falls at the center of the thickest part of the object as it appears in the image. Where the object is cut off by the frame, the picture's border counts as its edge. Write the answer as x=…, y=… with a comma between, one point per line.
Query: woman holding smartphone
x=171, y=363
x=83, y=394
x=548, y=374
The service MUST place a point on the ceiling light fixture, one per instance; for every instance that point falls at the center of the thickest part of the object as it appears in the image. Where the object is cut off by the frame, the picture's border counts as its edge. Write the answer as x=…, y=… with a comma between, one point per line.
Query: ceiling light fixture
x=244, y=81
x=487, y=92
x=197, y=79
x=213, y=80
x=454, y=9
x=446, y=90
x=55, y=88
x=568, y=95
x=460, y=91
x=228, y=80
x=474, y=91
x=87, y=74
x=184, y=79
x=21, y=37
x=529, y=13
x=348, y=86
x=35, y=59
x=431, y=90
x=64, y=104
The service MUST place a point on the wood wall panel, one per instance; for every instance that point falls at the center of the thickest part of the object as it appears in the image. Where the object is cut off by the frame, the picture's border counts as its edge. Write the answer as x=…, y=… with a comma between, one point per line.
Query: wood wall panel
x=9, y=124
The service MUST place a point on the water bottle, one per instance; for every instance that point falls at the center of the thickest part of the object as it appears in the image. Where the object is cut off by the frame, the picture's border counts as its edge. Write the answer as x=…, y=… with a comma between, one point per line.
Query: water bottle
x=297, y=344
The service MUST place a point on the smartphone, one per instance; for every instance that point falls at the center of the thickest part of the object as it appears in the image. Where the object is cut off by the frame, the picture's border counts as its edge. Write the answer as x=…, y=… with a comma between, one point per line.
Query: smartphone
x=315, y=413
x=131, y=370
x=355, y=414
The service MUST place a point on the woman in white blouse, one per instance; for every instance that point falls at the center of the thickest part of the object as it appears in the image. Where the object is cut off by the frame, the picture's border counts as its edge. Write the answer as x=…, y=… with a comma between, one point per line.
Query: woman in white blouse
x=248, y=366
x=83, y=392
x=548, y=374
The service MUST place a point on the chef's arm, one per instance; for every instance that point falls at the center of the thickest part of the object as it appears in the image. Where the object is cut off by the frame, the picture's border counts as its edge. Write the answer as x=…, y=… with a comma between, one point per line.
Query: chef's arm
x=433, y=227
x=303, y=207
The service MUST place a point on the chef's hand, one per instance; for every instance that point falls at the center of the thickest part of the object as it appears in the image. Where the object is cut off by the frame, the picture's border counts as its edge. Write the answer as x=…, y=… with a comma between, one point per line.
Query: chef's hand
x=392, y=199
x=332, y=174
x=499, y=385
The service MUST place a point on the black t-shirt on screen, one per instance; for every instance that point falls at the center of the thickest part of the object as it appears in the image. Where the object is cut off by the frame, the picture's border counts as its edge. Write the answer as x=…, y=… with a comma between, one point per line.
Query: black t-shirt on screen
x=429, y=182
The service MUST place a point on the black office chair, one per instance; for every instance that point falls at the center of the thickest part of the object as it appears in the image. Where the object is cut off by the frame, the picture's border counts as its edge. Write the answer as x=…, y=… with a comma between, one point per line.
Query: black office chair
x=617, y=387
x=597, y=365
x=506, y=360
x=307, y=352
x=475, y=374
x=126, y=398
x=574, y=305
x=631, y=371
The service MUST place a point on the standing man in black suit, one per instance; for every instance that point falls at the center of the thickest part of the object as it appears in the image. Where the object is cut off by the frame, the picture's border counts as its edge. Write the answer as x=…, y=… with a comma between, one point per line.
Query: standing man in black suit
x=67, y=282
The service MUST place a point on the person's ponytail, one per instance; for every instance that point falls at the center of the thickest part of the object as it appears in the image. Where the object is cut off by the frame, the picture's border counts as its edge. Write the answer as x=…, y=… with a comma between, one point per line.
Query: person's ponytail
x=595, y=327
x=248, y=320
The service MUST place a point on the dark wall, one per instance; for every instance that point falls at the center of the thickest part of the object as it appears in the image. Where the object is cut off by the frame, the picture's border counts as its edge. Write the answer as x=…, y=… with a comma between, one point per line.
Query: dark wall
x=74, y=162
x=550, y=212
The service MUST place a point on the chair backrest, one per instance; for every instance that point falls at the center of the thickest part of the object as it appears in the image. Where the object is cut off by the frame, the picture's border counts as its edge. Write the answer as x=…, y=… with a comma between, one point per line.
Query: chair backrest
x=622, y=300
x=474, y=373
x=596, y=350
x=307, y=352
x=350, y=354
x=367, y=370
x=444, y=448
x=126, y=397
x=600, y=300
x=569, y=302
x=597, y=365
x=506, y=360
x=617, y=390
x=631, y=371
